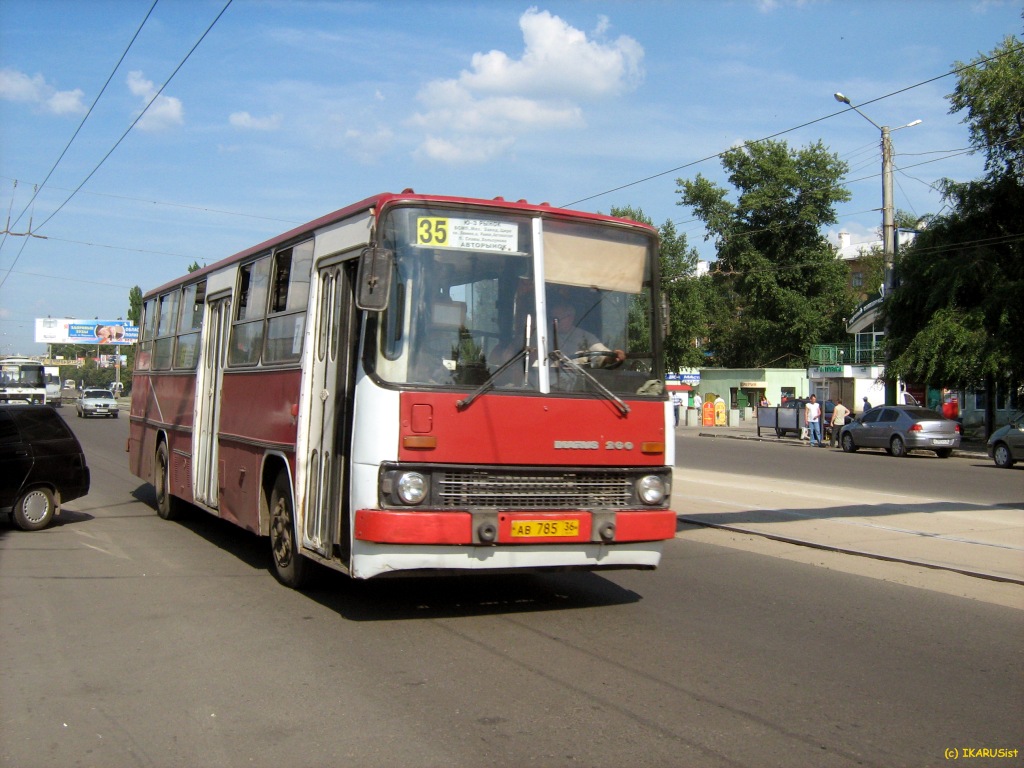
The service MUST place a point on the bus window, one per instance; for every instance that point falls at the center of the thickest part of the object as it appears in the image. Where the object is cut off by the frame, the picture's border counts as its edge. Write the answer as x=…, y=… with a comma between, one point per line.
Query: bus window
x=145, y=354
x=190, y=322
x=247, y=337
x=246, y=340
x=163, y=346
x=252, y=290
x=288, y=300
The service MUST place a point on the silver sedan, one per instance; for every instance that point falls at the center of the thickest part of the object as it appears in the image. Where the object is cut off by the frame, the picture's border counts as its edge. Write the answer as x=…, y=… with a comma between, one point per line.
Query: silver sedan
x=1006, y=446
x=899, y=429
x=97, y=402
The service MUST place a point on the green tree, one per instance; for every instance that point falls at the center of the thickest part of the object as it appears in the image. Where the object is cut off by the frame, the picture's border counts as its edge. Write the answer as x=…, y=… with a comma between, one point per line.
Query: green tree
x=134, y=316
x=956, y=316
x=778, y=287
x=134, y=305
x=990, y=91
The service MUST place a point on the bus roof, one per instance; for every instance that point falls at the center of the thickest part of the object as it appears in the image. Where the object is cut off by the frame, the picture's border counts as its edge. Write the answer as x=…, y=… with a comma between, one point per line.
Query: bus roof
x=381, y=201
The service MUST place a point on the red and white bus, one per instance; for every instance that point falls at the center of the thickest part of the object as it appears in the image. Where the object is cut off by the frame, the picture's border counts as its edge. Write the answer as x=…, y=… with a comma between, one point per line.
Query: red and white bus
x=384, y=390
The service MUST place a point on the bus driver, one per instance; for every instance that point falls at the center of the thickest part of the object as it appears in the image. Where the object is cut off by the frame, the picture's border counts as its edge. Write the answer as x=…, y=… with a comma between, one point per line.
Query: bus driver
x=577, y=344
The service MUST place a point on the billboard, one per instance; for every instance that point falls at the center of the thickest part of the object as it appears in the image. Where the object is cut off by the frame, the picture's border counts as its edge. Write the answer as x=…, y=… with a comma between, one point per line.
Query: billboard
x=52, y=330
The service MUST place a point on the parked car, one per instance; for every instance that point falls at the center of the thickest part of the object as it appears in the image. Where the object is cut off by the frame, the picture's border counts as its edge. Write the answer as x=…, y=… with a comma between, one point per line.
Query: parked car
x=1006, y=445
x=900, y=429
x=97, y=402
x=41, y=465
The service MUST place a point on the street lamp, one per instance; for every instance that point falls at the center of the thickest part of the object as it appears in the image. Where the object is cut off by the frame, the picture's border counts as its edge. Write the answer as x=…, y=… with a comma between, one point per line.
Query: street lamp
x=888, y=218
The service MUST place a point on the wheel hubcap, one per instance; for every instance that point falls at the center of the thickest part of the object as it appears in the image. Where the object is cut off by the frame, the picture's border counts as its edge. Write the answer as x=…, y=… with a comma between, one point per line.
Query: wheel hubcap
x=35, y=507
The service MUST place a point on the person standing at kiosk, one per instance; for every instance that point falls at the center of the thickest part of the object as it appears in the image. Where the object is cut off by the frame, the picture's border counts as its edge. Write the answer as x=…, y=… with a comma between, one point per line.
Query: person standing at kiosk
x=812, y=418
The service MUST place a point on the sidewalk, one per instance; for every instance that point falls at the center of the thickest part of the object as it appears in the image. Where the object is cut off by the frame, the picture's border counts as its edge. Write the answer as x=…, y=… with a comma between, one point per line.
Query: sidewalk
x=979, y=540
x=747, y=430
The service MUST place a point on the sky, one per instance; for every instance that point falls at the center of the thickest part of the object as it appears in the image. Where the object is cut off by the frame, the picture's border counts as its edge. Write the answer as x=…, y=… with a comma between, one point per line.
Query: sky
x=289, y=109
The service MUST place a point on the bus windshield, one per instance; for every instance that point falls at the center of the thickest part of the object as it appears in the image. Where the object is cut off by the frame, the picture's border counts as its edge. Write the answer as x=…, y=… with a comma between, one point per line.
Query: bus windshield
x=22, y=375
x=465, y=308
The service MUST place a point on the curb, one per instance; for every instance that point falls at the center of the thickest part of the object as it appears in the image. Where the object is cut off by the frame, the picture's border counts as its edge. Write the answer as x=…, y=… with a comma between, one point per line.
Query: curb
x=855, y=552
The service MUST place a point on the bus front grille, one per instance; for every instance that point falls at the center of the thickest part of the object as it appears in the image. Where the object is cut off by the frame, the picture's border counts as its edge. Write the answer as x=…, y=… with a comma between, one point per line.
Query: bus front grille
x=556, y=490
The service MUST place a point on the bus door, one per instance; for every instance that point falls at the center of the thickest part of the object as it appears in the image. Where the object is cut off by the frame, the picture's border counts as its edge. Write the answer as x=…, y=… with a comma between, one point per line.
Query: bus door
x=205, y=456
x=330, y=395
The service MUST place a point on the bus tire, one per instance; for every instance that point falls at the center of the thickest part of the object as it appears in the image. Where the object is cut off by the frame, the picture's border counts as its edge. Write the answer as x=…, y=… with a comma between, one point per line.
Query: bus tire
x=290, y=567
x=167, y=506
x=34, y=509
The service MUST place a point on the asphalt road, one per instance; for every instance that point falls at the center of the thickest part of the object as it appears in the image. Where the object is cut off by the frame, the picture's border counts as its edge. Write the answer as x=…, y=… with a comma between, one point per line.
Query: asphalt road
x=131, y=641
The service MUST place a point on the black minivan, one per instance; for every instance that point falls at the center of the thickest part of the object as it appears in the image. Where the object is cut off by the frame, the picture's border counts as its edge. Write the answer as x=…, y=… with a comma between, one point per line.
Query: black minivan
x=41, y=465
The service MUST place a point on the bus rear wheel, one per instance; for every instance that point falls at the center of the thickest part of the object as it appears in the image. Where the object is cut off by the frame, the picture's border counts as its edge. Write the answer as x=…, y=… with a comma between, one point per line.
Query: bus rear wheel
x=290, y=567
x=167, y=506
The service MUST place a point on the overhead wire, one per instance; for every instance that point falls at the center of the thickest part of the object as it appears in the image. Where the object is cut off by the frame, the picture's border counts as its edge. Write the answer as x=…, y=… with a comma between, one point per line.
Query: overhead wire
x=176, y=205
x=92, y=106
x=123, y=135
x=752, y=142
x=584, y=199
x=143, y=112
x=773, y=135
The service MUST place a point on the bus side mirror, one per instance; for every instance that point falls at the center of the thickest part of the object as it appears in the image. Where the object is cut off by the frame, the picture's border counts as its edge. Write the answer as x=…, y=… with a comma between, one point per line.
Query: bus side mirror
x=373, y=280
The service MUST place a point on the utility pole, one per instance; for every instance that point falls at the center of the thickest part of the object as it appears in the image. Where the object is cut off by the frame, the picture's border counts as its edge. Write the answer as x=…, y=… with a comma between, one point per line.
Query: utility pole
x=888, y=214
x=888, y=253
x=888, y=230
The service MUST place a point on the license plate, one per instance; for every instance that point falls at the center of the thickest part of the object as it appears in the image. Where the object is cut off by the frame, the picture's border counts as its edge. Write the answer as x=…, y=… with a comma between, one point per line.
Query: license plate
x=545, y=528
x=942, y=441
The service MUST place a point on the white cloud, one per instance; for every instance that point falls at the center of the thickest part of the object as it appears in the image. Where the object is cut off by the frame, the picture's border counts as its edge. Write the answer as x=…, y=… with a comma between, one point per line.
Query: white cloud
x=454, y=106
x=559, y=59
x=479, y=114
x=164, y=112
x=367, y=147
x=17, y=86
x=245, y=120
x=445, y=151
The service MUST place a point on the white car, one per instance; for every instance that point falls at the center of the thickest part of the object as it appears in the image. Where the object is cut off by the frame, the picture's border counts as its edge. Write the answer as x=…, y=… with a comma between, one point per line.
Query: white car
x=97, y=402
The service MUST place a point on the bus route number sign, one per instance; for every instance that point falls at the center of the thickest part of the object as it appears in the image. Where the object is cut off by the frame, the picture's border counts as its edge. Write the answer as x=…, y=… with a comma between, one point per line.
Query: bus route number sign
x=467, y=234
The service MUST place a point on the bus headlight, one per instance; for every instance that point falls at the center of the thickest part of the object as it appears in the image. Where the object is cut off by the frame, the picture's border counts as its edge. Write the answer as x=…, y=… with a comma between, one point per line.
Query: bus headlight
x=651, y=489
x=411, y=487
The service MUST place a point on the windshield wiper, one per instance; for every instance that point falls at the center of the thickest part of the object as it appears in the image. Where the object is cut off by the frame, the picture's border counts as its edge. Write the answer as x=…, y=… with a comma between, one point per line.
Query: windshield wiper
x=489, y=381
x=559, y=356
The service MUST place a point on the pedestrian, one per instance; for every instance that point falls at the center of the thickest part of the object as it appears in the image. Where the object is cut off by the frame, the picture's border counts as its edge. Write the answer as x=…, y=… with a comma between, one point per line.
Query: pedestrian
x=812, y=418
x=867, y=404
x=839, y=414
x=697, y=402
x=677, y=403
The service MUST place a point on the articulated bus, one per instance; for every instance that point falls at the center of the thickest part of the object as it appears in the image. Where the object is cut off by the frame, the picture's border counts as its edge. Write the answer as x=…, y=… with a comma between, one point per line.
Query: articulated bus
x=418, y=384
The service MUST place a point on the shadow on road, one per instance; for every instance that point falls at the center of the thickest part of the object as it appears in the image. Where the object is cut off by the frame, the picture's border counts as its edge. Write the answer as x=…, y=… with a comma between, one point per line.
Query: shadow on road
x=474, y=594
x=413, y=597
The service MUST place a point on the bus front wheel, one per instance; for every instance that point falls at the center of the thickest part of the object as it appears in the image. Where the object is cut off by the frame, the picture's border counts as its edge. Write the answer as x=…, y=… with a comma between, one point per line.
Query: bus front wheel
x=290, y=567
